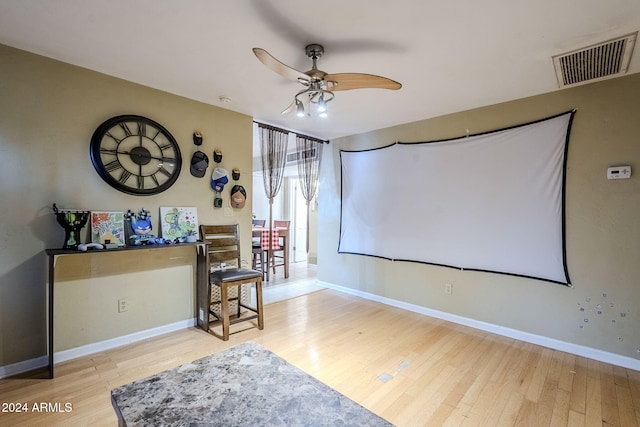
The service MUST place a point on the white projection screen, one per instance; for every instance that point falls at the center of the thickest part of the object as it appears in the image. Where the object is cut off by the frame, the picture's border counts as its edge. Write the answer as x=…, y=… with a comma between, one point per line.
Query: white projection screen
x=491, y=202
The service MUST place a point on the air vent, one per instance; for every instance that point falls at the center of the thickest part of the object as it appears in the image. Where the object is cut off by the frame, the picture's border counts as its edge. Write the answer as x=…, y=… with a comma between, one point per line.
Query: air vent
x=297, y=156
x=598, y=62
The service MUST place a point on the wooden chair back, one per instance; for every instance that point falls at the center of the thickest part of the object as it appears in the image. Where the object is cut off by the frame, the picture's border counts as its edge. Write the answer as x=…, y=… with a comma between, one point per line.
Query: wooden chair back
x=277, y=256
x=281, y=224
x=258, y=222
x=223, y=245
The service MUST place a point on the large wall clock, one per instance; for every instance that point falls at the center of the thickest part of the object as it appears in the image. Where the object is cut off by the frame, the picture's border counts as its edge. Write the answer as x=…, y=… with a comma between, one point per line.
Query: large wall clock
x=135, y=155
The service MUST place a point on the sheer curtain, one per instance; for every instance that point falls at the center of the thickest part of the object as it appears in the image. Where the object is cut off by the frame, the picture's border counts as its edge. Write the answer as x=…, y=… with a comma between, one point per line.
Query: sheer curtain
x=310, y=152
x=273, y=149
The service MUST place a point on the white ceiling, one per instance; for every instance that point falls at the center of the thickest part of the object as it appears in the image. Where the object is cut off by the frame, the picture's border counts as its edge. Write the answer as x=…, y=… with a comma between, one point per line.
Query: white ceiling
x=449, y=56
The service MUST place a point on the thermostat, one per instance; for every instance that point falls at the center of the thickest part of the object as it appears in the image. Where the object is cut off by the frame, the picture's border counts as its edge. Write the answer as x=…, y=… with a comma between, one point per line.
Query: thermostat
x=619, y=172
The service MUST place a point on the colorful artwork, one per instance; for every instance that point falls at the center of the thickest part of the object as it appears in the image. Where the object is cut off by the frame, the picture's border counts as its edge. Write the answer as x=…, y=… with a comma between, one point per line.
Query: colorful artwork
x=140, y=228
x=107, y=227
x=178, y=222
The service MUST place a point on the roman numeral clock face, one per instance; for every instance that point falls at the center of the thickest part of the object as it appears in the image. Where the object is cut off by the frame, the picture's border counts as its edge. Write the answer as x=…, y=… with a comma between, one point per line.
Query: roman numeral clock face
x=135, y=155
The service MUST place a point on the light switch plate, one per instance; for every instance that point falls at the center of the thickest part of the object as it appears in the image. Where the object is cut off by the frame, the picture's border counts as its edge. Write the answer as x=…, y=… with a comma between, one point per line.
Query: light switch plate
x=619, y=172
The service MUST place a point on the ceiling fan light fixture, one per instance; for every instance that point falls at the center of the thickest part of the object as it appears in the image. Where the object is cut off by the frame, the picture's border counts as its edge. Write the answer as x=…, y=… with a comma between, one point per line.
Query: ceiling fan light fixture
x=322, y=105
x=299, y=108
x=313, y=95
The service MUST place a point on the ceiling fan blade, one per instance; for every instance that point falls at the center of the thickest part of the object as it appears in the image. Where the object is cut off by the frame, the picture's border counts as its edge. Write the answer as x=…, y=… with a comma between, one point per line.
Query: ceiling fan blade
x=349, y=81
x=274, y=65
x=290, y=109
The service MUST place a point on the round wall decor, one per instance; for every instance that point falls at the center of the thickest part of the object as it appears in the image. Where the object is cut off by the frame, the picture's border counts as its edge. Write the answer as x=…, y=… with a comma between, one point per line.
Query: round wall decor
x=135, y=155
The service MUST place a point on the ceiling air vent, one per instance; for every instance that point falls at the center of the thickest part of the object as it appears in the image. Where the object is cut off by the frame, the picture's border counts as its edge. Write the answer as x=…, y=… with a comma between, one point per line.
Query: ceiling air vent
x=298, y=156
x=598, y=62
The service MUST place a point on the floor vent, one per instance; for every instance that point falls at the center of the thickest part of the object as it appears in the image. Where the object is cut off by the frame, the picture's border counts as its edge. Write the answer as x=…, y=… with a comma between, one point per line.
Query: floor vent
x=598, y=62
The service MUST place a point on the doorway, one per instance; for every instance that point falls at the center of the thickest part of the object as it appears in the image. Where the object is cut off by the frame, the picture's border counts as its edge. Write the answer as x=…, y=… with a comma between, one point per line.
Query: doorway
x=289, y=204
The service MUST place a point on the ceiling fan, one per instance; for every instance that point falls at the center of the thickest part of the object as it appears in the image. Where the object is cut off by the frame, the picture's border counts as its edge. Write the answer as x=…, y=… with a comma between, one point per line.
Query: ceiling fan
x=319, y=85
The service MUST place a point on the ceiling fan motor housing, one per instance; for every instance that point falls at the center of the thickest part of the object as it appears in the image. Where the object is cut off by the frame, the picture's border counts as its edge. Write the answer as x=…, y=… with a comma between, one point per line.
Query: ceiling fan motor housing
x=314, y=51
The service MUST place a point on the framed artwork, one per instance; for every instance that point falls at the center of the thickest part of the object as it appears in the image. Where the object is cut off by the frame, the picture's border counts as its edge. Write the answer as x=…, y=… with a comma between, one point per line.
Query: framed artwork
x=107, y=227
x=178, y=222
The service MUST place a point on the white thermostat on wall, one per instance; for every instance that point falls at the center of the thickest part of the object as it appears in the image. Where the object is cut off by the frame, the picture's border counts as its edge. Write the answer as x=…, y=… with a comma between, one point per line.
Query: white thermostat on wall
x=619, y=172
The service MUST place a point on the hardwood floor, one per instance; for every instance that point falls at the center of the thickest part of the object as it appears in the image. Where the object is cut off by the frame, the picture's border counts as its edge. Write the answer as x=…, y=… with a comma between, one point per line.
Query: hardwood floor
x=410, y=369
x=301, y=280
x=297, y=271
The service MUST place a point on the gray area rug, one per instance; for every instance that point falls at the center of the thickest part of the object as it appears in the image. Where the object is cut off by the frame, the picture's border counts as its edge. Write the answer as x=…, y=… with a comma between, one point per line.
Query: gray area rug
x=244, y=385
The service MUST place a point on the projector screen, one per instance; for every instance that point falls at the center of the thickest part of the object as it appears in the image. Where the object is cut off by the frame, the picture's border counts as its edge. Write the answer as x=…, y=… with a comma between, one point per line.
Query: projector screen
x=490, y=202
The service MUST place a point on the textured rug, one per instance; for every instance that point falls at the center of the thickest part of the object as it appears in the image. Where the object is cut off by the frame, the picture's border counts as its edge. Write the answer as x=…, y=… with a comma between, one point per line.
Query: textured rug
x=243, y=385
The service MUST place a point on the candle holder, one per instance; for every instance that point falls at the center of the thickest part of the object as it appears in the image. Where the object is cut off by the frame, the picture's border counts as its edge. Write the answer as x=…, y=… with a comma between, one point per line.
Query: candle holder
x=72, y=221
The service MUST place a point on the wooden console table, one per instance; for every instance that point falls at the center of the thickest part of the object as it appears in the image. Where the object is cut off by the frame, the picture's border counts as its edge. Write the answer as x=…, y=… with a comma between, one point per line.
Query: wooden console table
x=54, y=254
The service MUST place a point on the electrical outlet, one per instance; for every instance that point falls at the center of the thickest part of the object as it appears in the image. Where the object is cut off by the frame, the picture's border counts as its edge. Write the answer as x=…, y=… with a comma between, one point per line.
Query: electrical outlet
x=448, y=288
x=123, y=305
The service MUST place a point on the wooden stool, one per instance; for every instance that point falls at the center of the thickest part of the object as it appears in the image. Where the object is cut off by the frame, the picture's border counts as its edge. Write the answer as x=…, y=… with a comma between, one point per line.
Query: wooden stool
x=222, y=248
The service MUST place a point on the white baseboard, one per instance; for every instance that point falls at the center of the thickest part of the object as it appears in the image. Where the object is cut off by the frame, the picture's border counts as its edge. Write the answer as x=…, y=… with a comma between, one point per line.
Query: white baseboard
x=62, y=356
x=24, y=366
x=84, y=350
x=579, y=350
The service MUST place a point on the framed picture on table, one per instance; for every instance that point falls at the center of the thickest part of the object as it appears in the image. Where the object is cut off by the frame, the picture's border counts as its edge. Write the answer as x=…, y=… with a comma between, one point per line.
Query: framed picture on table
x=178, y=222
x=107, y=227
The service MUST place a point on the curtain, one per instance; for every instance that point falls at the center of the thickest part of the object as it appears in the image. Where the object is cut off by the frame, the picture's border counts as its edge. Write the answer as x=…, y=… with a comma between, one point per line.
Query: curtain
x=273, y=148
x=310, y=152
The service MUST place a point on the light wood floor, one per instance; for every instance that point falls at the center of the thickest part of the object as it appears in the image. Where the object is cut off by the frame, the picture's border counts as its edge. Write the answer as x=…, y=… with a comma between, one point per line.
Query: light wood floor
x=437, y=373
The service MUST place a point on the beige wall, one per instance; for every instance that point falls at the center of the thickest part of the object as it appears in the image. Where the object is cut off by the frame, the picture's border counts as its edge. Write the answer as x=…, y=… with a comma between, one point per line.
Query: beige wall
x=48, y=112
x=603, y=226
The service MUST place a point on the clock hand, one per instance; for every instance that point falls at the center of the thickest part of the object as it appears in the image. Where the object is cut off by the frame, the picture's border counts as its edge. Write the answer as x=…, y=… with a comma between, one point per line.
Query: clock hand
x=162, y=159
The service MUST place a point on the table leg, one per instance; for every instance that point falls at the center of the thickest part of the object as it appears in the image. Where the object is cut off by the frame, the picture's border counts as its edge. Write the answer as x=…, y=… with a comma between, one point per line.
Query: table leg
x=268, y=262
x=285, y=240
x=203, y=292
x=52, y=263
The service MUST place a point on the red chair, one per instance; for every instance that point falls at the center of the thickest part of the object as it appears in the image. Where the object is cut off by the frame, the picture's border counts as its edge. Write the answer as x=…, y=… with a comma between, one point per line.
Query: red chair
x=279, y=257
x=258, y=253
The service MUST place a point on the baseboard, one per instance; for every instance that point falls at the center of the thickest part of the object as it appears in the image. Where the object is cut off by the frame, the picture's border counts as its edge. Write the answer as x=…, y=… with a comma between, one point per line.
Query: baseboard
x=84, y=350
x=62, y=356
x=24, y=366
x=579, y=350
